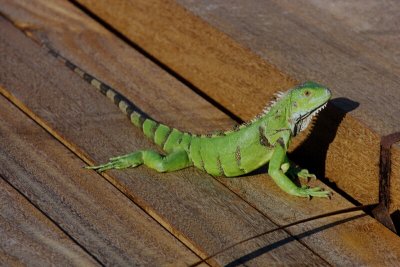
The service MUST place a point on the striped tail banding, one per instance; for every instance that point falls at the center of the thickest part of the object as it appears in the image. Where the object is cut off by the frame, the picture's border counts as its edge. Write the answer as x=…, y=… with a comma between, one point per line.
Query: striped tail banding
x=154, y=130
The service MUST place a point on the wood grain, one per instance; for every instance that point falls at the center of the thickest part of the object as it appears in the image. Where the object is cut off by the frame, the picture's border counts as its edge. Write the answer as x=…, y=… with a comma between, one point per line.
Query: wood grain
x=28, y=237
x=395, y=182
x=224, y=47
x=190, y=194
x=193, y=206
x=84, y=205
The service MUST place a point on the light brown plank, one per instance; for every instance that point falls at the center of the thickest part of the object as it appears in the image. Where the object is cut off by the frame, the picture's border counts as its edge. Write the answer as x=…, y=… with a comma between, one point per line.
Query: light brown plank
x=28, y=237
x=85, y=206
x=240, y=80
x=193, y=206
x=335, y=245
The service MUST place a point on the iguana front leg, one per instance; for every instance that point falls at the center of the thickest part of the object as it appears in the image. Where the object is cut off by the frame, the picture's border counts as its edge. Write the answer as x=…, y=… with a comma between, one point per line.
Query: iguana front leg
x=287, y=185
x=176, y=160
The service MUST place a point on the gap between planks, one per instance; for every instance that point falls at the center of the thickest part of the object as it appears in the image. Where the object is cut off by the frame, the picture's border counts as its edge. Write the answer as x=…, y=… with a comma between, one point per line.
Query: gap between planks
x=159, y=63
x=48, y=217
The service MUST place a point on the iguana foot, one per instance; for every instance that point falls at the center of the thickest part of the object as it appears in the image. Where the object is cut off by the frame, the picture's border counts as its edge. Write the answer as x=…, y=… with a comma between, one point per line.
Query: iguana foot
x=308, y=192
x=295, y=172
x=121, y=162
x=175, y=160
x=304, y=174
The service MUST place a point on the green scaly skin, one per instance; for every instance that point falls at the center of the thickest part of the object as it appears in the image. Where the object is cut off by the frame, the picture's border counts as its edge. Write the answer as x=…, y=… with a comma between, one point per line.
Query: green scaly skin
x=231, y=153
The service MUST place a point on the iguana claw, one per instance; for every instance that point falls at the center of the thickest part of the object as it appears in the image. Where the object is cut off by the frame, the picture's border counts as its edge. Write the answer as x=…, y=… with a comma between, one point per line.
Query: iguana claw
x=305, y=174
x=306, y=191
x=121, y=162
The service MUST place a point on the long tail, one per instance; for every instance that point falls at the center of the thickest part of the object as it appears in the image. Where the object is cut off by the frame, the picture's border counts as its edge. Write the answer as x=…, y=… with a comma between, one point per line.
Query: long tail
x=151, y=128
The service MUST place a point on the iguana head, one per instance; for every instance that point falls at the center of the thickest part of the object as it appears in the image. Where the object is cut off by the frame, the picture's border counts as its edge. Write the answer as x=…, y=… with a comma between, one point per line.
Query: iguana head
x=305, y=101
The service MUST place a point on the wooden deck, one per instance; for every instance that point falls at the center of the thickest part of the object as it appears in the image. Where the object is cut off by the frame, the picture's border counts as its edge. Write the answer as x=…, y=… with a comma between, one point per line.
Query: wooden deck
x=197, y=66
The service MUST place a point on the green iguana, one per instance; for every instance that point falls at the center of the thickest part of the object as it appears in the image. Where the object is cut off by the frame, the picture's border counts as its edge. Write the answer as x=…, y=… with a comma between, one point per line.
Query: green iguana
x=231, y=153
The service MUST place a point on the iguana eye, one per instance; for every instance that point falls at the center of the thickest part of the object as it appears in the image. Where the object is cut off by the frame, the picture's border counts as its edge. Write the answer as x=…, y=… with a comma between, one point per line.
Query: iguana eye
x=307, y=93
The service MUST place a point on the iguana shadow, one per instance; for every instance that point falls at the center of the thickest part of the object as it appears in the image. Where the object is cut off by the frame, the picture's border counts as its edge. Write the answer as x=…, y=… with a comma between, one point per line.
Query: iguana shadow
x=312, y=153
x=268, y=248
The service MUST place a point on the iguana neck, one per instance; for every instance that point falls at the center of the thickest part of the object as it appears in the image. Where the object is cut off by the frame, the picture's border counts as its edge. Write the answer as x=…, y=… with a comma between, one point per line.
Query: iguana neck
x=277, y=117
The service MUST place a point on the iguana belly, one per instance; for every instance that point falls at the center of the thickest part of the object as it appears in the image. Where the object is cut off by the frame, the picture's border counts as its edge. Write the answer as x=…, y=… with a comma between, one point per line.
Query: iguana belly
x=232, y=156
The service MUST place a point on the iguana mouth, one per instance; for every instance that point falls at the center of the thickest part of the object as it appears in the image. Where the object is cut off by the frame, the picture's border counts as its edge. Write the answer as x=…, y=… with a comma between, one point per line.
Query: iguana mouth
x=303, y=121
x=317, y=110
x=313, y=112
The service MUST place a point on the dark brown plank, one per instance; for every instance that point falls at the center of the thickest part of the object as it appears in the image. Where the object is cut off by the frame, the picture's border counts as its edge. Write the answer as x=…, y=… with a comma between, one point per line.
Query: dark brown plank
x=28, y=237
x=85, y=206
x=193, y=206
x=395, y=182
x=200, y=51
x=336, y=245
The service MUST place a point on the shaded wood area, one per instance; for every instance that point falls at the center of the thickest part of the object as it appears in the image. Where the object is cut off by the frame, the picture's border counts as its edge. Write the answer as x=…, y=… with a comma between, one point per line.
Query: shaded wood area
x=137, y=215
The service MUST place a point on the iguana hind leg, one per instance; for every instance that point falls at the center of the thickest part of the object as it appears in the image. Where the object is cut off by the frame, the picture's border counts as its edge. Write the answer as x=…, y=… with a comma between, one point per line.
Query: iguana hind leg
x=174, y=161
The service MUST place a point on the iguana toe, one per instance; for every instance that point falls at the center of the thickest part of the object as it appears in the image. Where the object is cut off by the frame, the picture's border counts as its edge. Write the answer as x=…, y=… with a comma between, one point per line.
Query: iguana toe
x=312, y=192
x=305, y=174
x=120, y=162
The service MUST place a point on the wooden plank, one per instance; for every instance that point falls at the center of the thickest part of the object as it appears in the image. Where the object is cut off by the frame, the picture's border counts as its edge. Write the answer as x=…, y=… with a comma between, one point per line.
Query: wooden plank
x=394, y=185
x=240, y=80
x=89, y=209
x=374, y=24
x=193, y=206
x=28, y=237
x=338, y=240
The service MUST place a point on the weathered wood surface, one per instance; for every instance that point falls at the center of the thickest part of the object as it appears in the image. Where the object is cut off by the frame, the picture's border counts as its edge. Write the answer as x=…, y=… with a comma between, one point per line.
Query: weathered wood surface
x=173, y=198
x=301, y=39
x=28, y=237
x=82, y=204
x=193, y=206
